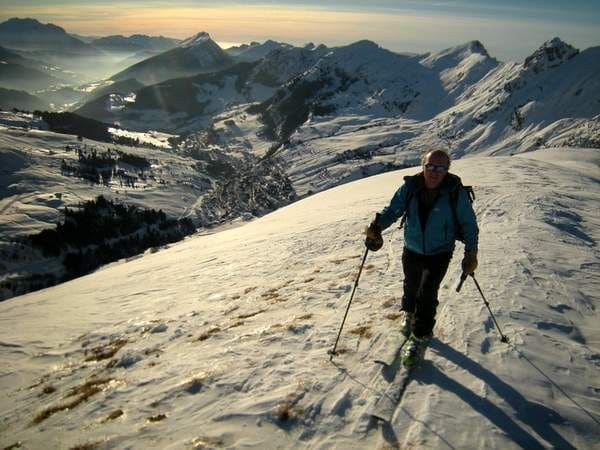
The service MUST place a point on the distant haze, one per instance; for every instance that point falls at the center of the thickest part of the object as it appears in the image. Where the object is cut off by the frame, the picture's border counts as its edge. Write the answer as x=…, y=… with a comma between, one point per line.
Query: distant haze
x=509, y=31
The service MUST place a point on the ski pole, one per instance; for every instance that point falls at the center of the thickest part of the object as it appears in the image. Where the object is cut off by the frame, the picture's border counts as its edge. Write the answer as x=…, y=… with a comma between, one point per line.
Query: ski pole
x=332, y=351
x=463, y=277
x=503, y=337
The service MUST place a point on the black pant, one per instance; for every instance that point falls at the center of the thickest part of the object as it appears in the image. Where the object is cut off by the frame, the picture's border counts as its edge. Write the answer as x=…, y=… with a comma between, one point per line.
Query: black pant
x=423, y=275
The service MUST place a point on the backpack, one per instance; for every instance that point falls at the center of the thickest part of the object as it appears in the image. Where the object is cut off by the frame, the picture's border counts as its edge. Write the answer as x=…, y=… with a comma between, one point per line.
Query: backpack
x=453, y=203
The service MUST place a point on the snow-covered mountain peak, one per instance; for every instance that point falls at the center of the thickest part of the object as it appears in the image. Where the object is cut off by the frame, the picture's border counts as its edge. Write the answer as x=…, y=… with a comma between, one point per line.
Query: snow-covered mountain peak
x=452, y=56
x=198, y=39
x=477, y=47
x=551, y=54
x=364, y=45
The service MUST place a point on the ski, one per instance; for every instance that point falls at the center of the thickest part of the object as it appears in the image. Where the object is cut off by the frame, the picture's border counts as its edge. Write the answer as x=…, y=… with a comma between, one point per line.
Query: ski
x=385, y=405
x=393, y=349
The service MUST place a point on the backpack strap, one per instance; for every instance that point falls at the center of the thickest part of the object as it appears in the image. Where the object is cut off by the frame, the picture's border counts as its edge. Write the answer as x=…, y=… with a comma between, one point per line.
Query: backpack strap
x=454, y=193
x=410, y=193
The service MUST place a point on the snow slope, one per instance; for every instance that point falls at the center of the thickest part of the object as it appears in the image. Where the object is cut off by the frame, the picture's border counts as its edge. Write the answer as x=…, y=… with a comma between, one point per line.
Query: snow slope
x=220, y=341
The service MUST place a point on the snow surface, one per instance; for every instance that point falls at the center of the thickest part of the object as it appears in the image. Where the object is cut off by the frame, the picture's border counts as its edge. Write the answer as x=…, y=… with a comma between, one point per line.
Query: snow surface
x=213, y=340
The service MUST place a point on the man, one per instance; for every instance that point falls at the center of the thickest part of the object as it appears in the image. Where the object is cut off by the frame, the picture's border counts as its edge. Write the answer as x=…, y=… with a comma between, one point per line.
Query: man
x=437, y=211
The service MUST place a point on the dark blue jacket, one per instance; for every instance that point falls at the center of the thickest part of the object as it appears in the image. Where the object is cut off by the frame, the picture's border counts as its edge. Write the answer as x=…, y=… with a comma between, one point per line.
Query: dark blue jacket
x=438, y=235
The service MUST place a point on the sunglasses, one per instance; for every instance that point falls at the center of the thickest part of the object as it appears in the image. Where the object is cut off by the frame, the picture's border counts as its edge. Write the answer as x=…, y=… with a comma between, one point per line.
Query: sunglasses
x=435, y=168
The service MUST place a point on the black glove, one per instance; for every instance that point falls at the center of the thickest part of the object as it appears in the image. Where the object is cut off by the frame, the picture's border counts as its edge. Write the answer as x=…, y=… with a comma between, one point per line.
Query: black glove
x=374, y=240
x=469, y=262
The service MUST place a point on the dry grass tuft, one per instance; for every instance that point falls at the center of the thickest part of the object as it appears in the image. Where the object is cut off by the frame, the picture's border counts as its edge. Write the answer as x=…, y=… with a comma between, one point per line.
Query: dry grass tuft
x=106, y=351
x=249, y=289
x=271, y=294
x=113, y=415
x=48, y=390
x=194, y=385
x=341, y=351
x=88, y=446
x=236, y=324
x=389, y=302
x=204, y=336
x=17, y=444
x=84, y=392
x=304, y=317
x=206, y=443
x=284, y=412
x=362, y=332
x=230, y=310
x=287, y=412
x=252, y=314
x=152, y=351
x=157, y=418
x=89, y=388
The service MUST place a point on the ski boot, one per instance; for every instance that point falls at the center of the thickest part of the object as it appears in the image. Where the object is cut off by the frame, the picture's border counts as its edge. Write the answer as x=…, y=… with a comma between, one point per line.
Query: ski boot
x=407, y=323
x=414, y=350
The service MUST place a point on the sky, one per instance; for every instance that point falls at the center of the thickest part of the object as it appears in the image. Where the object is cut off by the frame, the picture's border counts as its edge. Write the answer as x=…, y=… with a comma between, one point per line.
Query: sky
x=510, y=30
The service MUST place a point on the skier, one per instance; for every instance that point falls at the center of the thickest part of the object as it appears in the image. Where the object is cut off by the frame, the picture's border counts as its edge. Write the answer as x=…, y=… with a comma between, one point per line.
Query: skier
x=437, y=210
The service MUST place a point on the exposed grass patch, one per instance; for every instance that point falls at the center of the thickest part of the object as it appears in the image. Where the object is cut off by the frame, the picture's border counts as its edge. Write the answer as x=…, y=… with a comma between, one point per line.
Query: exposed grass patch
x=152, y=351
x=389, y=302
x=362, y=332
x=83, y=393
x=194, y=385
x=271, y=294
x=284, y=412
x=206, y=443
x=252, y=314
x=211, y=331
x=113, y=415
x=88, y=446
x=89, y=388
x=232, y=309
x=393, y=316
x=106, y=351
x=236, y=324
x=48, y=390
x=17, y=444
x=288, y=410
x=157, y=418
x=341, y=351
x=308, y=280
x=249, y=289
x=304, y=317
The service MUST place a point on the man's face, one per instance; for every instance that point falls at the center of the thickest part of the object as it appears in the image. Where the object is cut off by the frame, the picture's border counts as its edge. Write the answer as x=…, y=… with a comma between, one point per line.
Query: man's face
x=434, y=174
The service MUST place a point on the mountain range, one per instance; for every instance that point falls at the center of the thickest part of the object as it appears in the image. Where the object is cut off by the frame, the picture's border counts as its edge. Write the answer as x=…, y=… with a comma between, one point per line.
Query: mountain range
x=285, y=122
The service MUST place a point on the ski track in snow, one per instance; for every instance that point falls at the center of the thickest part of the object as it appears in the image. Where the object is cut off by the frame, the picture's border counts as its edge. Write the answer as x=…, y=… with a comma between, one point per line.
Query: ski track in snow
x=221, y=340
